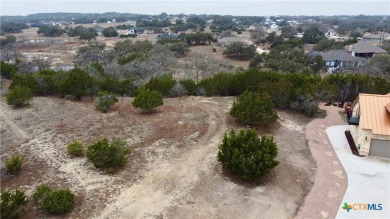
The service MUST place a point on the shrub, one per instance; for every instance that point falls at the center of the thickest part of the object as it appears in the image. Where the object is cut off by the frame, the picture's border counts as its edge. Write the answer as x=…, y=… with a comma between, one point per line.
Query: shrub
x=240, y=50
x=178, y=90
x=251, y=108
x=247, y=155
x=11, y=203
x=55, y=202
x=147, y=99
x=7, y=69
x=105, y=101
x=59, y=202
x=190, y=86
x=19, y=96
x=163, y=84
x=78, y=83
x=41, y=193
x=75, y=149
x=110, y=32
x=14, y=164
x=108, y=156
x=128, y=35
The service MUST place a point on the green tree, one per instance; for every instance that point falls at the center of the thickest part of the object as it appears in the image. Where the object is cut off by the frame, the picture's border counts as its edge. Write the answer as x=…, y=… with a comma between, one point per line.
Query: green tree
x=163, y=84
x=105, y=101
x=19, y=96
x=78, y=83
x=147, y=99
x=11, y=204
x=110, y=32
x=9, y=40
x=51, y=31
x=88, y=35
x=108, y=156
x=313, y=35
x=247, y=155
x=251, y=108
x=7, y=70
x=240, y=50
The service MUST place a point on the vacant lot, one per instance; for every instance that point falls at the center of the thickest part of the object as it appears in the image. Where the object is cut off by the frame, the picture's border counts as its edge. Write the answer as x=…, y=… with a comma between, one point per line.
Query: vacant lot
x=172, y=171
x=62, y=50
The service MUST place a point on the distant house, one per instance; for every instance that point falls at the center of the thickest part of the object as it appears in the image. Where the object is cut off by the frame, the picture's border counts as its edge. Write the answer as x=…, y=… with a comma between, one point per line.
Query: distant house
x=98, y=29
x=376, y=38
x=135, y=30
x=364, y=50
x=168, y=36
x=37, y=25
x=370, y=124
x=340, y=58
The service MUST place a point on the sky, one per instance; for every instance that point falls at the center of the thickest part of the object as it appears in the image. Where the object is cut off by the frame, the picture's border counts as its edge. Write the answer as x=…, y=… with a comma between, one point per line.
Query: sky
x=246, y=8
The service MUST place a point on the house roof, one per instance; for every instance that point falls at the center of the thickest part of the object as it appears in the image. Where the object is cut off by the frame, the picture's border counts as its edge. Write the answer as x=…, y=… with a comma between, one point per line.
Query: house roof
x=137, y=29
x=373, y=113
x=386, y=36
x=364, y=47
x=339, y=55
x=168, y=36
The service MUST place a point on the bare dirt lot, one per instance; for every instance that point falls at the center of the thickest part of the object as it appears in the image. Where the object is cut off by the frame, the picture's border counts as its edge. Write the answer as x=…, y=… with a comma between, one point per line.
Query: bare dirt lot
x=172, y=170
x=62, y=50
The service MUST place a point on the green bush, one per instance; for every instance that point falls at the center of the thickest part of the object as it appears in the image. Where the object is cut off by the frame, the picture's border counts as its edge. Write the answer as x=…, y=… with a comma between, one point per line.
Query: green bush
x=59, y=202
x=78, y=83
x=163, y=84
x=26, y=80
x=190, y=86
x=240, y=50
x=108, y=156
x=56, y=202
x=147, y=99
x=247, y=155
x=41, y=193
x=19, y=96
x=251, y=108
x=11, y=204
x=128, y=35
x=75, y=149
x=14, y=164
x=105, y=101
x=7, y=69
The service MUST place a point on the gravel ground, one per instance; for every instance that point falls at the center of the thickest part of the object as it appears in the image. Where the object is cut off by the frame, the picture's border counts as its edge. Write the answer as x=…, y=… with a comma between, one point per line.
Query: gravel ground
x=323, y=200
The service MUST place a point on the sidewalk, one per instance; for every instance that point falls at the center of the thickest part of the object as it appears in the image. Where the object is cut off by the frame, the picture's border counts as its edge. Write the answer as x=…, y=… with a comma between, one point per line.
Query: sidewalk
x=330, y=184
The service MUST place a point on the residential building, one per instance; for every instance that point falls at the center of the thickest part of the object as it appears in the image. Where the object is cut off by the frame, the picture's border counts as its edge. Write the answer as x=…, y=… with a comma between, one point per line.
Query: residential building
x=364, y=50
x=369, y=118
x=135, y=30
x=340, y=58
x=376, y=39
x=168, y=36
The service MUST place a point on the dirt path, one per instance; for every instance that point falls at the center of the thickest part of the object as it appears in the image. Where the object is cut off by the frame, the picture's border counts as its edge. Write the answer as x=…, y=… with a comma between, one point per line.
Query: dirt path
x=172, y=172
x=331, y=181
x=171, y=178
x=5, y=117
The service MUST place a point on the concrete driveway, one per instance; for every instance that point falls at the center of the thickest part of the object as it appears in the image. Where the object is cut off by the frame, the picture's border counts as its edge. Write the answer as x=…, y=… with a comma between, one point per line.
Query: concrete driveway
x=368, y=179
